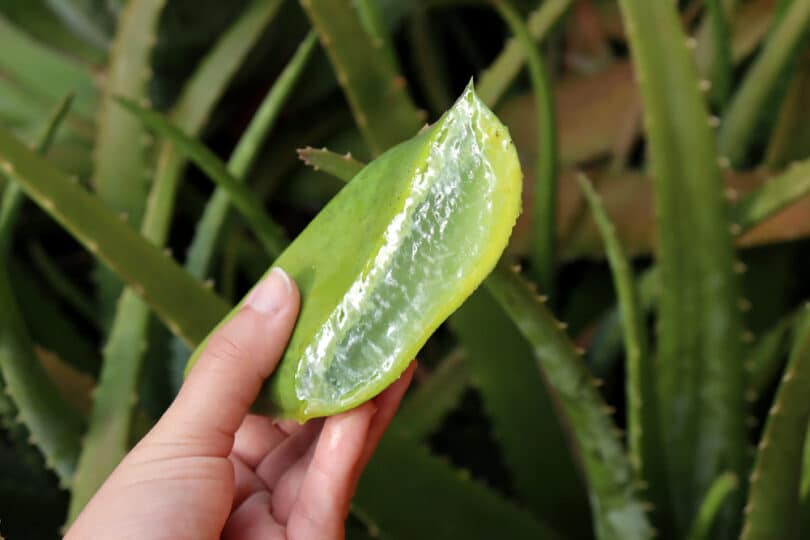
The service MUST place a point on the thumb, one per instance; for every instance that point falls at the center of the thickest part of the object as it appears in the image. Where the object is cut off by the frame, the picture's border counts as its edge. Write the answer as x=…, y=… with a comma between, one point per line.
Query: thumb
x=228, y=376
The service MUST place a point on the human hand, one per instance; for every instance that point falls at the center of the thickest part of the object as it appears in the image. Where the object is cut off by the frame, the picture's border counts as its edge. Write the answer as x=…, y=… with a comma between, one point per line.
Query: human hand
x=208, y=469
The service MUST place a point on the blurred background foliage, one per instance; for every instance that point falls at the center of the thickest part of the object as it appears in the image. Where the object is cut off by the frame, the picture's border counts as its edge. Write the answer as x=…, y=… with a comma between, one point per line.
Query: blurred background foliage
x=483, y=445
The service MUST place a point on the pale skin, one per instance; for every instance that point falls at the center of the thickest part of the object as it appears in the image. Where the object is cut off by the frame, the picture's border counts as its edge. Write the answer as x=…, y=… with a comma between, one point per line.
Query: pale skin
x=208, y=469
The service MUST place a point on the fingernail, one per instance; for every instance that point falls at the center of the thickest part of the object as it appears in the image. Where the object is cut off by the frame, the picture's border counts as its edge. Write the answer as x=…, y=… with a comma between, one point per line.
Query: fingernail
x=271, y=293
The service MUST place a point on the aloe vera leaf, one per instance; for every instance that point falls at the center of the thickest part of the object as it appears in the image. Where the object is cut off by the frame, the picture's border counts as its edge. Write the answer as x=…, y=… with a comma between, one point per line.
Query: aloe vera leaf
x=775, y=194
x=202, y=92
x=62, y=286
x=268, y=232
x=414, y=419
x=719, y=492
x=161, y=282
x=495, y=80
x=422, y=413
x=699, y=370
x=721, y=47
x=461, y=175
x=54, y=426
x=765, y=359
x=25, y=61
x=122, y=151
x=382, y=109
x=208, y=230
x=87, y=21
x=617, y=510
x=36, y=19
x=51, y=327
x=644, y=436
x=433, y=500
x=542, y=253
x=371, y=18
x=791, y=135
x=106, y=440
x=773, y=504
x=120, y=155
x=741, y=120
x=524, y=420
x=342, y=166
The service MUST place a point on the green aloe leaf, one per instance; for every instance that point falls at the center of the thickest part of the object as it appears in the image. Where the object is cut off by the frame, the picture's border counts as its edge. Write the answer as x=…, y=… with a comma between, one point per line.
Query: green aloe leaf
x=721, y=76
x=54, y=426
x=525, y=420
x=507, y=65
x=387, y=261
x=340, y=166
x=713, y=502
x=644, y=435
x=762, y=81
x=405, y=493
x=121, y=153
x=774, y=496
x=775, y=194
x=144, y=267
x=24, y=61
x=382, y=109
x=699, y=369
x=209, y=227
x=617, y=509
x=269, y=233
x=422, y=413
x=542, y=253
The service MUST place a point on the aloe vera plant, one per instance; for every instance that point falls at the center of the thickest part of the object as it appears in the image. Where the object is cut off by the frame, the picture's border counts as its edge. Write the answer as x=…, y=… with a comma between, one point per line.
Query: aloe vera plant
x=668, y=404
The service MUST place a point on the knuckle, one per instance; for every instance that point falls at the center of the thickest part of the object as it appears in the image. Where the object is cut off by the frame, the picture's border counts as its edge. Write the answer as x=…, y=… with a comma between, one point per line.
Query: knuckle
x=226, y=348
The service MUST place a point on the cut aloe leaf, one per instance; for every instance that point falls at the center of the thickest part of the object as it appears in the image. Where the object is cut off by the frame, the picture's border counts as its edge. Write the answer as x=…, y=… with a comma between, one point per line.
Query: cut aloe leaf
x=391, y=257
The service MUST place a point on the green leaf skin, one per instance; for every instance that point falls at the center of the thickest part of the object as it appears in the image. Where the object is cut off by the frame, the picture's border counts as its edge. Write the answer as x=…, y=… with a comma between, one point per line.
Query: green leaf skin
x=644, y=436
x=773, y=499
x=65, y=289
x=382, y=109
x=53, y=424
x=47, y=75
x=721, y=47
x=405, y=493
x=718, y=494
x=741, y=121
x=790, y=139
x=340, y=166
x=391, y=256
x=149, y=271
x=120, y=155
x=699, y=369
x=542, y=253
x=775, y=194
x=209, y=228
x=423, y=411
x=505, y=68
x=525, y=419
x=269, y=233
x=617, y=510
x=766, y=358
